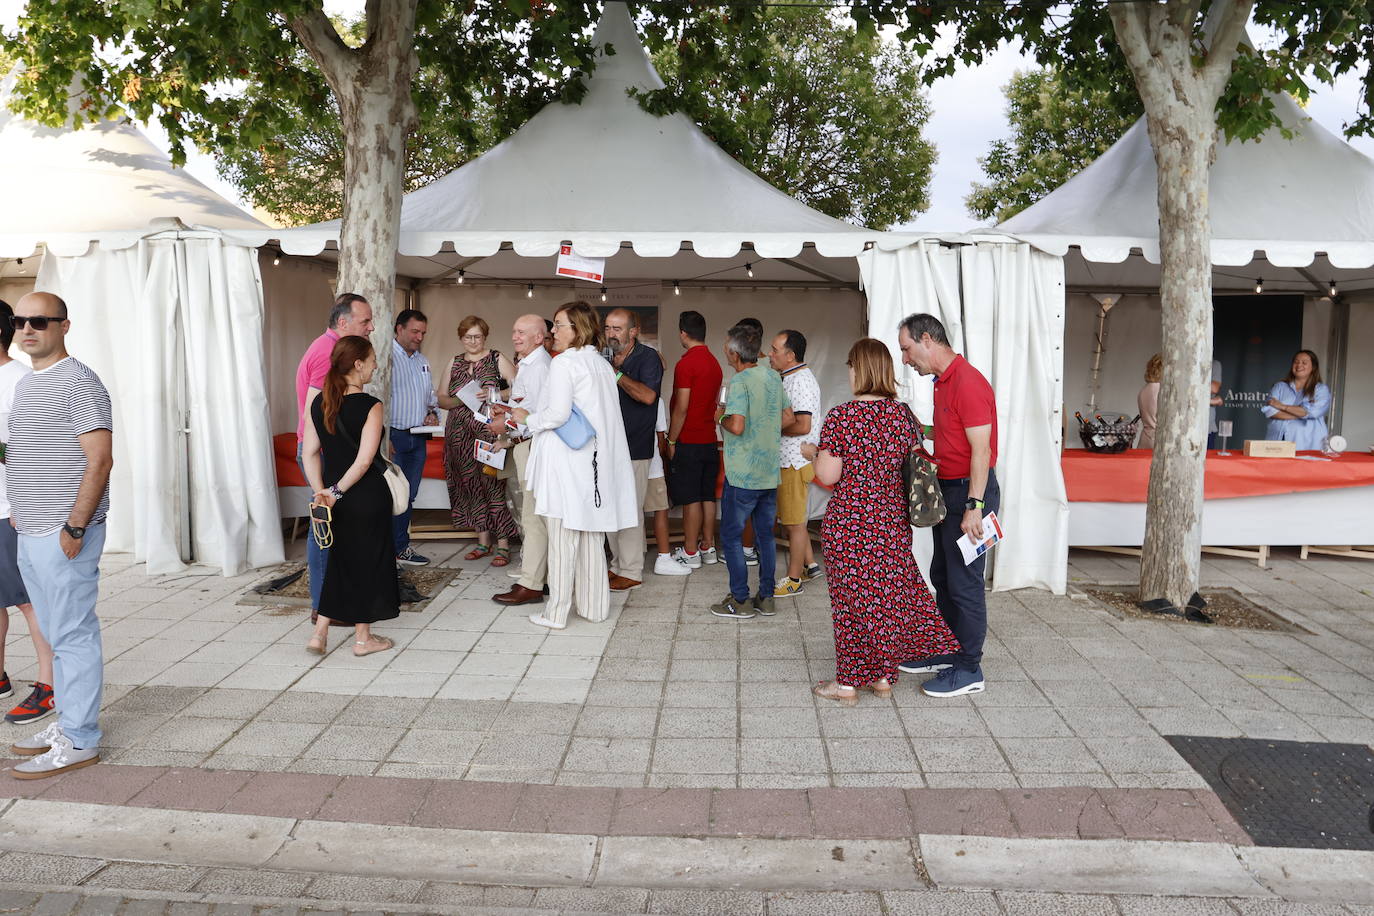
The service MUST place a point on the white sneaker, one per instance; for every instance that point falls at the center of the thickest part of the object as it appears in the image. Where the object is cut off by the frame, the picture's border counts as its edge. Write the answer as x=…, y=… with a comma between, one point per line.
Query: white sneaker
x=751, y=556
x=60, y=757
x=39, y=743
x=669, y=565
x=709, y=556
x=693, y=560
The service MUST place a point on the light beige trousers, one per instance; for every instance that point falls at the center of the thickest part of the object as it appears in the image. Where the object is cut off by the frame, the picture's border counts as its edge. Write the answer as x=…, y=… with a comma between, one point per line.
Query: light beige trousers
x=534, y=543
x=627, y=544
x=577, y=571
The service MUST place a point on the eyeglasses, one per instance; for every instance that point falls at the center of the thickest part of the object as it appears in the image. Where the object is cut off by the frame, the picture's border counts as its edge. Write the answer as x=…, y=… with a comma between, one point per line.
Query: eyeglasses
x=558, y=324
x=39, y=322
x=474, y=338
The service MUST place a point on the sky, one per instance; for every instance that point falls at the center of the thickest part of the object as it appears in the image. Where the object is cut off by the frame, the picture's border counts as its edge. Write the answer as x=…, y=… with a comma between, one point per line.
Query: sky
x=967, y=115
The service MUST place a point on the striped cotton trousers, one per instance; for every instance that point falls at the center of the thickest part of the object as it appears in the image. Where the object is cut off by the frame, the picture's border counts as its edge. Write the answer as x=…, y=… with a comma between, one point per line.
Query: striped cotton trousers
x=577, y=573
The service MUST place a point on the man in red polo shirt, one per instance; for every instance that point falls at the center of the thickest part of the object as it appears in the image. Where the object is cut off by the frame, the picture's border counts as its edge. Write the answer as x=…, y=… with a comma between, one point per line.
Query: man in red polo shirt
x=965, y=453
x=694, y=461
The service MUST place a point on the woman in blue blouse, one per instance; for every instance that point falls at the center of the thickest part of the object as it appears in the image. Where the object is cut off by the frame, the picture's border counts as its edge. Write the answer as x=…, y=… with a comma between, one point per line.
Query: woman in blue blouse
x=1297, y=405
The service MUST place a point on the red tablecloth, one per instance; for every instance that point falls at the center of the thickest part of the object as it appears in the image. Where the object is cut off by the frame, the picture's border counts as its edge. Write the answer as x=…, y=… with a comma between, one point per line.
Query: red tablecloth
x=1124, y=477
x=289, y=474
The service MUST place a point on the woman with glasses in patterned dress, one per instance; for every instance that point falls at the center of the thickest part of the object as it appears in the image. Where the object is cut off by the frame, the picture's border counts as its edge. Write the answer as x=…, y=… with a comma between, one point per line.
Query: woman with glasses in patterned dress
x=477, y=500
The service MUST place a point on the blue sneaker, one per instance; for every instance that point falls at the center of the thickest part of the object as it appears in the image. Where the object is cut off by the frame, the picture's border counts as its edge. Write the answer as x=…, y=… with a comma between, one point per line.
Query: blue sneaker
x=952, y=682
x=926, y=665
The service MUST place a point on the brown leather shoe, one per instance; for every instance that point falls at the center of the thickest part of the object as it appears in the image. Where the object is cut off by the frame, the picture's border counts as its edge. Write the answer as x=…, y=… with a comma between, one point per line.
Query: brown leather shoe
x=518, y=595
x=622, y=584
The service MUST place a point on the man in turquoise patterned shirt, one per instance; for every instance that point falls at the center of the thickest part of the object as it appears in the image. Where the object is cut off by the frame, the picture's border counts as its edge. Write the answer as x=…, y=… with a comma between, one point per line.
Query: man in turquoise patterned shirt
x=753, y=419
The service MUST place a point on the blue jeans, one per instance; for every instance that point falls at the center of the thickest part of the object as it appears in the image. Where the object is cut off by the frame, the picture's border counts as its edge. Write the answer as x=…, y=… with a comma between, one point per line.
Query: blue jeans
x=64, y=593
x=736, y=505
x=315, y=558
x=959, y=588
x=409, y=454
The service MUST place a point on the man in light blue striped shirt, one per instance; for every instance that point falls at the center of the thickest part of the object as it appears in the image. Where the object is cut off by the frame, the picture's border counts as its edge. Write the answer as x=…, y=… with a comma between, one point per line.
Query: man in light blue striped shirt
x=412, y=404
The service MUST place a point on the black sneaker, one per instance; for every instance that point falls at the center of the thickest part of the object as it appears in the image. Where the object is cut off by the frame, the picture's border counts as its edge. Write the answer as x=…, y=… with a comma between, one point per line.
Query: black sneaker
x=37, y=705
x=730, y=607
x=6, y=688
x=409, y=557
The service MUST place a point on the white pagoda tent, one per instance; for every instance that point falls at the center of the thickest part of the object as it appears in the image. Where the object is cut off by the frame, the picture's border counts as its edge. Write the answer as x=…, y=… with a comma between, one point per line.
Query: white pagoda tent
x=168, y=311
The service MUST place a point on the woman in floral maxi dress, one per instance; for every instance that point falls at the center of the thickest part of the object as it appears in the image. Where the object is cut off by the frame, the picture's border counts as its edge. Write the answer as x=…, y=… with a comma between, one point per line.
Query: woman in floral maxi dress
x=477, y=500
x=882, y=610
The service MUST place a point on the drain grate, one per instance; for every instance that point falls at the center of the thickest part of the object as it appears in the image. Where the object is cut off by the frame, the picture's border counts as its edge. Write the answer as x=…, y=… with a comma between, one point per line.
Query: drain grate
x=1290, y=793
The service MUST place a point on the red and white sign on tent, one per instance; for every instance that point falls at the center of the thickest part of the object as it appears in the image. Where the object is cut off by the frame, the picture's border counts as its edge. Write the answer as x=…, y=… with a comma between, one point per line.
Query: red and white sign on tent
x=578, y=267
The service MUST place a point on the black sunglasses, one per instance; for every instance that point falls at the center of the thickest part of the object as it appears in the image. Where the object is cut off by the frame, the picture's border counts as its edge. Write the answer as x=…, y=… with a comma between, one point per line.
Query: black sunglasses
x=39, y=322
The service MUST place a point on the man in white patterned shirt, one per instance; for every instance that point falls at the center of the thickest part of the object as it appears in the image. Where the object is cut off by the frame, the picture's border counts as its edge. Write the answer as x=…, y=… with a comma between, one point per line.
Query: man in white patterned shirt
x=58, y=461
x=531, y=378
x=413, y=403
x=799, y=382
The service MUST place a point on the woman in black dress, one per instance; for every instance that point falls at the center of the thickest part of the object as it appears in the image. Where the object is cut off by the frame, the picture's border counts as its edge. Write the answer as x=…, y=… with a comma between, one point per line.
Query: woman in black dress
x=346, y=432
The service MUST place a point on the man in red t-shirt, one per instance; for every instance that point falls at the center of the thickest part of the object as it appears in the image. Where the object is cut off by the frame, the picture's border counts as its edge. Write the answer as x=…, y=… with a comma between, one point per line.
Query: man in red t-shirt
x=965, y=453
x=694, y=461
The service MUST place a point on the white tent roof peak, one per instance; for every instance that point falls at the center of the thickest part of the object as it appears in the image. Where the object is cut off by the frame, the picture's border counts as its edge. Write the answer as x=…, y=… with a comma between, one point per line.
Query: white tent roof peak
x=104, y=180
x=1290, y=198
x=602, y=173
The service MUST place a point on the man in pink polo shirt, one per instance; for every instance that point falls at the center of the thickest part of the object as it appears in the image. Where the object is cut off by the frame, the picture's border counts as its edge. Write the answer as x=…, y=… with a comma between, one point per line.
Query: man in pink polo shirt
x=351, y=315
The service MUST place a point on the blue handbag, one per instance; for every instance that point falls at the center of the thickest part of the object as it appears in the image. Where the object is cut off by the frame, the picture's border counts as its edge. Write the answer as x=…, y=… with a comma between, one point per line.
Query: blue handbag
x=577, y=430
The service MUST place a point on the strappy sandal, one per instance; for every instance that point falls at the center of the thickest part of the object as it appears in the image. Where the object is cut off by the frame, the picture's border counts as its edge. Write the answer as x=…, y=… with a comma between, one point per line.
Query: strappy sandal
x=502, y=557
x=382, y=644
x=829, y=690
x=478, y=552
x=881, y=688
x=316, y=644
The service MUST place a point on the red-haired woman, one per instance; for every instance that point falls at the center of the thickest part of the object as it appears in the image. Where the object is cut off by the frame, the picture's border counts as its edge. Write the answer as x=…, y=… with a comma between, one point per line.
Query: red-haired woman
x=340, y=458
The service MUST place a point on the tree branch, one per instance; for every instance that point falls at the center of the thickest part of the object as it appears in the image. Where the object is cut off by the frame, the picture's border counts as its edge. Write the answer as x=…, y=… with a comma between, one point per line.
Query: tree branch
x=1134, y=34
x=322, y=42
x=1221, y=55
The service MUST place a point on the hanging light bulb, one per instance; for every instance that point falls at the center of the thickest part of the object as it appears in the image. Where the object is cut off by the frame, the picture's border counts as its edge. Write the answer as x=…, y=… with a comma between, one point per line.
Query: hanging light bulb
x=1259, y=285
x=677, y=290
x=529, y=291
x=461, y=274
x=603, y=294
x=1331, y=290
x=276, y=258
x=749, y=269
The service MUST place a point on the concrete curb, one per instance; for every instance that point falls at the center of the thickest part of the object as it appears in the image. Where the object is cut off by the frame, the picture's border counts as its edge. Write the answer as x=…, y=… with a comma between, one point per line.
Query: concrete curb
x=583, y=860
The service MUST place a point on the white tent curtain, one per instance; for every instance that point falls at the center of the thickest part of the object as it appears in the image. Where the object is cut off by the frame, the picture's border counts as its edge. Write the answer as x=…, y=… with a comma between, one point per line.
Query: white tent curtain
x=1002, y=304
x=1014, y=323
x=173, y=326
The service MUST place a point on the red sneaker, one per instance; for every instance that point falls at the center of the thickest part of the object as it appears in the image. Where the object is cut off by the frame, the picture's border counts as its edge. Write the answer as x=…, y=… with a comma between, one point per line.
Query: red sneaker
x=6, y=689
x=38, y=704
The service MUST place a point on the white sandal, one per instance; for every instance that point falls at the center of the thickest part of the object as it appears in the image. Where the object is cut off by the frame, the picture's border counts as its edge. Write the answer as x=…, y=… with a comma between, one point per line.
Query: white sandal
x=386, y=643
x=542, y=621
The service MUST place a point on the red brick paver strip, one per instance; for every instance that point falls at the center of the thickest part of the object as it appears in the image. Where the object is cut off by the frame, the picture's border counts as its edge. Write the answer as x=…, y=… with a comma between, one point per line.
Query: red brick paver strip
x=283, y=794
x=1068, y=813
x=662, y=812
x=555, y=809
x=853, y=813
x=1187, y=815
x=470, y=805
x=760, y=812
x=961, y=812
x=375, y=799
x=190, y=789
x=101, y=785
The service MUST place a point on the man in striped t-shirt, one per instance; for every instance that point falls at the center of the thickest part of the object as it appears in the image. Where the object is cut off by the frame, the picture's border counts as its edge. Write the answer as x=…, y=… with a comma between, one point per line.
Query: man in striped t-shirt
x=58, y=462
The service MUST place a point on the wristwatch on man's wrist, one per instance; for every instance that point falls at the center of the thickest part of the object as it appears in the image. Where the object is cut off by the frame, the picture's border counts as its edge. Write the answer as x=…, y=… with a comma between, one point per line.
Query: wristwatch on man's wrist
x=974, y=503
x=74, y=532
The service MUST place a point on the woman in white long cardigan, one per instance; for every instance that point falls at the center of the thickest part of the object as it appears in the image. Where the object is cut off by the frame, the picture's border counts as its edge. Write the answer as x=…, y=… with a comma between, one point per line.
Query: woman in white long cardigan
x=580, y=493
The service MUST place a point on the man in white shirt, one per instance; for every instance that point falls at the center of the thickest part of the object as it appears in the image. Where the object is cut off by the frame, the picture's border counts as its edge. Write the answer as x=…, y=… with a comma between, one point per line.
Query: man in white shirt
x=39, y=702
x=531, y=380
x=799, y=382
